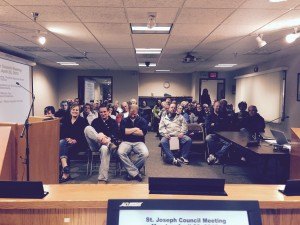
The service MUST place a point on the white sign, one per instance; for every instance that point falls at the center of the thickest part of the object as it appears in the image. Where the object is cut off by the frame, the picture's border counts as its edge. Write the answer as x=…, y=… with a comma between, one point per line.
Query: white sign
x=14, y=100
x=183, y=217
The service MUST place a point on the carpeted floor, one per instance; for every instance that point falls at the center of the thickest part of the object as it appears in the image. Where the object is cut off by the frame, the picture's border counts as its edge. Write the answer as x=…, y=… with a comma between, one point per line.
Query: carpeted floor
x=155, y=167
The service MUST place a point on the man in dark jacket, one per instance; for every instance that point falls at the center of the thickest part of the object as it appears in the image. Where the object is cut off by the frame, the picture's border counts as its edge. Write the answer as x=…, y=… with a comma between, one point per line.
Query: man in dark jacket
x=133, y=131
x=101, y=136
x=255, y=123
x=217, y=146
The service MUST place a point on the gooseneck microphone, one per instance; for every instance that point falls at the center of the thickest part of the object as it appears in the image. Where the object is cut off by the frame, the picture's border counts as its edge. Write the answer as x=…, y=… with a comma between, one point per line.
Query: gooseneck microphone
x=282, y=118
x=26, y=131
x=17, y=83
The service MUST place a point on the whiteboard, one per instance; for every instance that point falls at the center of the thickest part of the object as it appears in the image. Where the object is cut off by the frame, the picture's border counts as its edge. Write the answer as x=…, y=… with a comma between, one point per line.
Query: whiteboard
x=264, y=90
x=14, y=100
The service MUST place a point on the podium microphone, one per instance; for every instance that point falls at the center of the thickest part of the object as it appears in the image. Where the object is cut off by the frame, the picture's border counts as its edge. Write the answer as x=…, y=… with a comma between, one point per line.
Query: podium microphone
x=17, y=83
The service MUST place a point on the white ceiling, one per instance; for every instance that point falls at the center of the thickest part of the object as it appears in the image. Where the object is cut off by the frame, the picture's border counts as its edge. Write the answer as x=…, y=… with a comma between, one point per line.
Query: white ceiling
x=217, y=31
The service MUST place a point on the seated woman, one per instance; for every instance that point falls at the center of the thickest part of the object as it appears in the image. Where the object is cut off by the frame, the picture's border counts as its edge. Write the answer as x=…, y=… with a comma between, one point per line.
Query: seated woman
x=71, y=137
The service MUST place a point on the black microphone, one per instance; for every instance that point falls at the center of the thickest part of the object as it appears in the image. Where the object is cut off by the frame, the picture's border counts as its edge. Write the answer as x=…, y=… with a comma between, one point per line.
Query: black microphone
x=17, y=83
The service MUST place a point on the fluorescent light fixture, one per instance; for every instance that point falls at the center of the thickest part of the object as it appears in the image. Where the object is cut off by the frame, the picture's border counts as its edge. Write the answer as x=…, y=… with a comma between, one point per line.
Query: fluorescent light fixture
x=68, y=63
x=148, y=50
x=277, y=1
x=42, y=40
x=144, y=29
x=144, y=65
x=162, y=70
x=225, y=65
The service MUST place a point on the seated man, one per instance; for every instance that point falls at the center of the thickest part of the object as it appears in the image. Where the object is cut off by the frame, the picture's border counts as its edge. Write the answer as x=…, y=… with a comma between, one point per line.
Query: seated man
x=241, y=116
x=174, y=125
x=217, y=146
x=254, y=123
x=133, y=131
x=101, y=136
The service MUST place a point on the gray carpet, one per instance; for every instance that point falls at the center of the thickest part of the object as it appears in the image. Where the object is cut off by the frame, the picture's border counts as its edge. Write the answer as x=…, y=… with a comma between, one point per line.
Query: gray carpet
x=155, y=167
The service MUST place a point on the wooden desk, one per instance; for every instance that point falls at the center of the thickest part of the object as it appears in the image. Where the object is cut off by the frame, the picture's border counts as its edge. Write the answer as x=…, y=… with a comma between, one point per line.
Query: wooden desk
x=265, y=153
x=86, y=204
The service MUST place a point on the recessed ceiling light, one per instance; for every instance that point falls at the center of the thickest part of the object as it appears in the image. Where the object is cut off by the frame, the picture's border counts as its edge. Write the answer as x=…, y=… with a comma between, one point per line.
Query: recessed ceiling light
x=277, y=1
x=68, y=63
x=143, y=29
x=149, y=65
x=148, y=50
x=225, y=65
x=162, y=70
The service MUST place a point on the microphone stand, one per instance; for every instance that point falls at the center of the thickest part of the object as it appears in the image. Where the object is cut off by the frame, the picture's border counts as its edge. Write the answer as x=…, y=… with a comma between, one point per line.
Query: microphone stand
x=26, y=130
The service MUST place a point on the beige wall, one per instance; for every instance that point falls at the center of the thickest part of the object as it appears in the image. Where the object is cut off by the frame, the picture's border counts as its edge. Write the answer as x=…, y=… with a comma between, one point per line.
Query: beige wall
x=180, y=84
x=45, y=88
x=125, y=84
x=292, y=105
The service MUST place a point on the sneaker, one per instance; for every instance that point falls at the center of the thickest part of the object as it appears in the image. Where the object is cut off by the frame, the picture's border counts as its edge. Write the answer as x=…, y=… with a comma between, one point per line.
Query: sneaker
x=176, y=162
x=243, y=159
x=184, y=161
x=211, y=159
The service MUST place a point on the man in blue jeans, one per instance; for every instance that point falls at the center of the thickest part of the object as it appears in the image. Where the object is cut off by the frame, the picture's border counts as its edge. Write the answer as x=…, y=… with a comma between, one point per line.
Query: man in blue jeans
x=174, y=125
x=133, y=130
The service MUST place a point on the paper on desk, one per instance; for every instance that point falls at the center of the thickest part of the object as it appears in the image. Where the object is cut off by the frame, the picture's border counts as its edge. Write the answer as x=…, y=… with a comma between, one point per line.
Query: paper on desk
x=272, y=142
x=174, y=143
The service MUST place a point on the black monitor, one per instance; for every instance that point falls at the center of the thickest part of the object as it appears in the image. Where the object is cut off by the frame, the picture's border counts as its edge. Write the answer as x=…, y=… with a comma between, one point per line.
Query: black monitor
x=22, y=189
x=182, y=212
x=186, y=186
x=292, y=188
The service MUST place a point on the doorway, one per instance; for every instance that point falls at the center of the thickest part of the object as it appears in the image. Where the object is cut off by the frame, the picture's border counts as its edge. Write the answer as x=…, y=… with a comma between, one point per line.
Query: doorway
x=215, y=87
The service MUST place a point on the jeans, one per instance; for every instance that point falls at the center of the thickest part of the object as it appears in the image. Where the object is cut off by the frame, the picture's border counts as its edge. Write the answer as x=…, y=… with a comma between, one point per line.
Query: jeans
x=91, y=137
x=185, y=145
x=64, y=148
x=217, y=146
x=140, y=149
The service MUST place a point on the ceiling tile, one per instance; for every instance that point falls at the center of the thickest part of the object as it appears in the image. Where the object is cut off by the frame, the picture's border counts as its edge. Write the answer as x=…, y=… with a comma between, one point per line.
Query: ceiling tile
x=13, y=40
x=196, y=30
x=140, y=15
x=23, y=27
x=36, y=2
x=215, y=4
x=149, y=40
x=8, y=13
x=98, y=14
x=259, y=4
x=289, y=20
x=185, y=44
x=253, y=17
x=203, y=16
x=100, y=3
x=50, y=13
x=112, y=35
x=153, y=4
x=3, y=3
x=67, y=30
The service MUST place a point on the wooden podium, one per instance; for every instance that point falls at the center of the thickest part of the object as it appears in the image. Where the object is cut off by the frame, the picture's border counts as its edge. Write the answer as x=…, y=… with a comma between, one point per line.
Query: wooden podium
x=43, y=155
x=295, y=154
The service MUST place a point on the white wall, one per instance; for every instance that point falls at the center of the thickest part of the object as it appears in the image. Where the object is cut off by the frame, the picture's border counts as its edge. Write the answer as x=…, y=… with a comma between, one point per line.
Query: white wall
x=152, y=84
x=292, y=105
x=125, y=83
x=45, y=88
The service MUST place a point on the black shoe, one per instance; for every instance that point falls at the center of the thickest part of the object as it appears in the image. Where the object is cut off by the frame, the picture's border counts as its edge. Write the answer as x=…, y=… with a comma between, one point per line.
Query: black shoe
x=63, y=180
x=102, y=181
x=176, y=162
x=138, y=177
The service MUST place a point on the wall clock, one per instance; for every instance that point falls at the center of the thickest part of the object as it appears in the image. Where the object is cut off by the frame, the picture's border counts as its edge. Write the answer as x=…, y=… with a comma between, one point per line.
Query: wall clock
x=166, y=84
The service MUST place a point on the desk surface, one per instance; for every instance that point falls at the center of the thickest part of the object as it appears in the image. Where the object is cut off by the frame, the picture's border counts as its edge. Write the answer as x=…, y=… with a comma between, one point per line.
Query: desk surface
x=78, y=196
x=241, y=139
